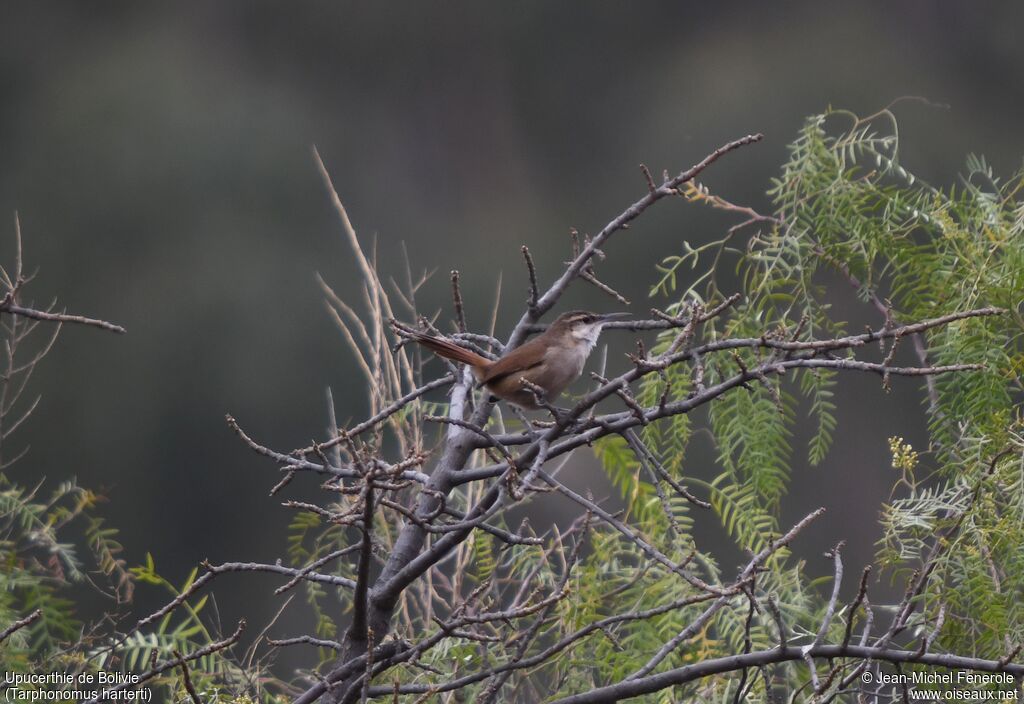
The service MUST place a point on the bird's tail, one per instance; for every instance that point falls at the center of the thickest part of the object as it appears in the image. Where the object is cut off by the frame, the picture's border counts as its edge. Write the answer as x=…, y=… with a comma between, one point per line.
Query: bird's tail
x=449, y=350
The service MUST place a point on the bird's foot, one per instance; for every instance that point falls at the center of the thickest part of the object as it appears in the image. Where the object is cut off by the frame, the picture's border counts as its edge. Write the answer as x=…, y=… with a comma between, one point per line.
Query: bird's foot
x=561, y=417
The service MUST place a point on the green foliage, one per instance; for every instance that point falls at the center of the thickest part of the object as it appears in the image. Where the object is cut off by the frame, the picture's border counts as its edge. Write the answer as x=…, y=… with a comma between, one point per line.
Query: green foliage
x=308, y=541
x=40, y=565
x=54, y=547
x=844, y=195
x=847, y=220
x=847, y=211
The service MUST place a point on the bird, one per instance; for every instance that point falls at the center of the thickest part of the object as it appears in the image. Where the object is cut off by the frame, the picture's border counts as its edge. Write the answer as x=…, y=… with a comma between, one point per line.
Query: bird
x=551, y=361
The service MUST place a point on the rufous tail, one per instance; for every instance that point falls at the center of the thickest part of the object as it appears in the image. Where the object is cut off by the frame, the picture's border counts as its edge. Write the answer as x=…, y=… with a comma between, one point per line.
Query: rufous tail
x=449, y=350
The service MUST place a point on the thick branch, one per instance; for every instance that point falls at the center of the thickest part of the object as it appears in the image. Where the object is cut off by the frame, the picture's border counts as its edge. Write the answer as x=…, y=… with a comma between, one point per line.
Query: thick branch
x=733, y=663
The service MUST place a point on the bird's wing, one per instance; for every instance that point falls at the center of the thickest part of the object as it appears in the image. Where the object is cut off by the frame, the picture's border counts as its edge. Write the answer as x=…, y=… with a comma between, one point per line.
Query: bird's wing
x=511, y=363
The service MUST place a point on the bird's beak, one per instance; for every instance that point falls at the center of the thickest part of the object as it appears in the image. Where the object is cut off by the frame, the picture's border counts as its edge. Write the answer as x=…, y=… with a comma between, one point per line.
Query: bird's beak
x=608, y=317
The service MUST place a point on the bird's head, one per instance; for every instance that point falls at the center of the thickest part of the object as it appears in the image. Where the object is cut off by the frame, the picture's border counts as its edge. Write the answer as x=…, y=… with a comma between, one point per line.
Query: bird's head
x=583, y=325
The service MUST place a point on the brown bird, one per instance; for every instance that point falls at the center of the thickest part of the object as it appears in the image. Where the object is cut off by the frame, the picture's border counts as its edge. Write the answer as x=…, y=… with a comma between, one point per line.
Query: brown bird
x=551, y=361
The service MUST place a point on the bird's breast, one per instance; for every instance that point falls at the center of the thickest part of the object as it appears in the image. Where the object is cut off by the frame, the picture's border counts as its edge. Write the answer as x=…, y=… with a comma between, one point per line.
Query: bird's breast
x=562, y=365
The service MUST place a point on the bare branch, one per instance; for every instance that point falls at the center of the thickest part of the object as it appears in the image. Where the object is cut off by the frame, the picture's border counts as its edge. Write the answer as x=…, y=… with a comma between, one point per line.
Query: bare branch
x=732, y=663
x=305, y=640
x=748, y=572
x=460, y=313
x=862, y=592
x=421, y=539
x=279, y=569
x=21, y=623
x=359, y=618
x=667, y=188
x=532, y=270
x=187, y=679
x=830, y=610
x=7, y=306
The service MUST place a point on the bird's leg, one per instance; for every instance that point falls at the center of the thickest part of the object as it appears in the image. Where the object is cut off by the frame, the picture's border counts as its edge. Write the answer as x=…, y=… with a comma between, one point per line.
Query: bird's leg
x=561, y=415
x=540, y=397
x=571, y=426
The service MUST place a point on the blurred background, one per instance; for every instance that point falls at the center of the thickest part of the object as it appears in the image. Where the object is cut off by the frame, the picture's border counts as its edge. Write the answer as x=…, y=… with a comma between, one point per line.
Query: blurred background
x=160, y=159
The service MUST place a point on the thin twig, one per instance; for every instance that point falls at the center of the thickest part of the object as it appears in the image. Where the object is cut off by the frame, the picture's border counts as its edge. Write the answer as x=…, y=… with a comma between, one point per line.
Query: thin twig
x=14, y=309
x=460, y=313
x=189, y=687
x=18, y=625
x=532, y=270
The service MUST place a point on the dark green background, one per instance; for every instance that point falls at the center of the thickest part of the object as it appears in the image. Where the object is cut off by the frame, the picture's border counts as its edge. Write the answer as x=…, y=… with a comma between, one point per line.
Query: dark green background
x=159, y=156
